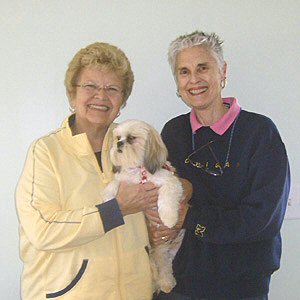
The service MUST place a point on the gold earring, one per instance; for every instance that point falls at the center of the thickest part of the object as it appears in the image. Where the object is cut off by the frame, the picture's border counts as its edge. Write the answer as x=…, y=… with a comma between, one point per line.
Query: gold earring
x=223, y=83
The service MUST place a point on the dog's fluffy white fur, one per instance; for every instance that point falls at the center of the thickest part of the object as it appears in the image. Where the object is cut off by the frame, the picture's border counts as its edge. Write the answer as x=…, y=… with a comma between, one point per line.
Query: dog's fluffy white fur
x=137, y=146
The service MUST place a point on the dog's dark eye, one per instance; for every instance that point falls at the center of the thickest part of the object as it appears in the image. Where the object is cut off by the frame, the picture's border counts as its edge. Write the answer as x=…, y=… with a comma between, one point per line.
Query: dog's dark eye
x=118, y=137
x=130, y=139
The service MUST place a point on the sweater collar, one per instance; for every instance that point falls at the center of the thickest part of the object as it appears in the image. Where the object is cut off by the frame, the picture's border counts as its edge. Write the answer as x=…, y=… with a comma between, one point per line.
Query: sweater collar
x=80, y=143
x=222, y=124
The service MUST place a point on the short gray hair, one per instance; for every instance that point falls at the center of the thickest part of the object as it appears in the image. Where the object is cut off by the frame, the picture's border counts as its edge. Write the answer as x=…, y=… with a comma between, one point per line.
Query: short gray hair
x=196, y=38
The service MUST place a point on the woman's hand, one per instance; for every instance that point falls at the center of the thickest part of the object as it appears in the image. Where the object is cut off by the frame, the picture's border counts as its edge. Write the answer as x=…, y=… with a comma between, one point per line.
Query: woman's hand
x=160, y=234
x=133, y=198
x=187, y=190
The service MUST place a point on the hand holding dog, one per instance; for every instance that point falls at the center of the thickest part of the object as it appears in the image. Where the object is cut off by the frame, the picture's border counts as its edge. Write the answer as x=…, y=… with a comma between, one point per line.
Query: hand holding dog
x=158, y=233
x=187, y=190
x=133, y=198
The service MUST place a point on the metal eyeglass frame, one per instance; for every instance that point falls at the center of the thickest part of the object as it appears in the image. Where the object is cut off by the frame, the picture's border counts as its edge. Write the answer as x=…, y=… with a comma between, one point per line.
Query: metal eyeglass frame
x=220, y=169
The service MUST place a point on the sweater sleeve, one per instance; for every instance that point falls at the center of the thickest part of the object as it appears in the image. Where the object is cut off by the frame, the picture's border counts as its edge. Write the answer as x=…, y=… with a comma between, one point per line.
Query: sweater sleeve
x=260, y=212
x=47, y=224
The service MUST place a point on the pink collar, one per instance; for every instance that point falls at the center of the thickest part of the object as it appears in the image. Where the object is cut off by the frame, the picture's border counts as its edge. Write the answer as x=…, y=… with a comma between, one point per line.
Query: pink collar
x=224, y=123
x=144, y=178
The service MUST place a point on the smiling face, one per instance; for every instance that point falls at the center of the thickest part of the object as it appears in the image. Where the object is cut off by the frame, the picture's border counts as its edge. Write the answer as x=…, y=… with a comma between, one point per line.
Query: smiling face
x=199, y=78
x=97, y=108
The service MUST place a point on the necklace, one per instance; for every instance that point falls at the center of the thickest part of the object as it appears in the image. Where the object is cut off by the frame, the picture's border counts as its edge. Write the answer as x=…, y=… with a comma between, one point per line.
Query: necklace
x=199, y=165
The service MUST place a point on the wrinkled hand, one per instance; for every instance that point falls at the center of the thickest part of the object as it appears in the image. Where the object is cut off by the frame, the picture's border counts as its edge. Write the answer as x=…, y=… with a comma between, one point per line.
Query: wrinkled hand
x=187, y=190
x=160, y=234
x=133, y=198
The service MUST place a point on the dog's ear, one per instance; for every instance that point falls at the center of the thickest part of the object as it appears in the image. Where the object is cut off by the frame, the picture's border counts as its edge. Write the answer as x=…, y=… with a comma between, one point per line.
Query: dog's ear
x=155, y=152
x=116, y=169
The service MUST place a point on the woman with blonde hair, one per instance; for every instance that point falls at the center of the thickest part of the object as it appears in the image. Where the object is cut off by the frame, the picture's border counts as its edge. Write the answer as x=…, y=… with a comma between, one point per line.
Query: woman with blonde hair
x=73, y=245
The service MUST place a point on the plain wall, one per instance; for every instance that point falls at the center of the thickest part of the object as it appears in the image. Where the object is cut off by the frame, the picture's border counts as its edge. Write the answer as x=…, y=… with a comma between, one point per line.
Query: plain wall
x=39, y=38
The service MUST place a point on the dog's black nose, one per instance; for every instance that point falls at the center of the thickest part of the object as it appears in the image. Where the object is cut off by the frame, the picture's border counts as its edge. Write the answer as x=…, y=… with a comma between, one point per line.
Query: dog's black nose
x=120, y=144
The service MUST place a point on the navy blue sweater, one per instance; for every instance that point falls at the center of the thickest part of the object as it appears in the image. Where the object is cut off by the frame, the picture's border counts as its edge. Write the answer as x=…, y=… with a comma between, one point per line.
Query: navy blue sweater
x=232, y=243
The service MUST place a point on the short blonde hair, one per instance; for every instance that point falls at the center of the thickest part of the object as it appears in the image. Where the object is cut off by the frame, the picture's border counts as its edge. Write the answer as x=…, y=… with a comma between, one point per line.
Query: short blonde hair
x=101, y=56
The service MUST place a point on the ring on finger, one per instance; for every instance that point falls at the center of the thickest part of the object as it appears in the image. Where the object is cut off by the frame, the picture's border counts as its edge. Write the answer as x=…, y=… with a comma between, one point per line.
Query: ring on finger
x=164, y=238
x=157, y=225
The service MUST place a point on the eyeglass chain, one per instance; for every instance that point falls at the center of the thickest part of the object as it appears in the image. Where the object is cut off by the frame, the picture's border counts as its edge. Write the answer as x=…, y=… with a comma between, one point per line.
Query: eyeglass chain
x=230, y=140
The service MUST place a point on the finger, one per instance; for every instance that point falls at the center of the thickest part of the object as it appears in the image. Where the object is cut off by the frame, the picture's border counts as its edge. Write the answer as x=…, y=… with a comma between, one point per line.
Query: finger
x=165, y=231
x=159, y=233
x=149, y=186
x=152, y=213
x=152, y=198
x=154, y=219
x=152, y=195
x=163, y=240
x=166, y=237
x=152, y=206
x=157, y=242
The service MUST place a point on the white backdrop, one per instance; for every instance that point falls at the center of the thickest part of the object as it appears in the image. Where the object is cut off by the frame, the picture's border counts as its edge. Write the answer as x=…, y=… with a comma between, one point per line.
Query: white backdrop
x=39, y=37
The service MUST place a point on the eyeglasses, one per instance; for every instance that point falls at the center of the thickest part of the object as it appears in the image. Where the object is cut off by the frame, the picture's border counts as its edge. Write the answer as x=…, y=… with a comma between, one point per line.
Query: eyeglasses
x=215, y=169
x=92, y=89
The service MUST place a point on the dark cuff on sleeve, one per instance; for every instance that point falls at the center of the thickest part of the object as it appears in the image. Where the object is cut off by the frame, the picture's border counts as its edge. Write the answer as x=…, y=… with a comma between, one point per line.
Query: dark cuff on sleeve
x=110, y=214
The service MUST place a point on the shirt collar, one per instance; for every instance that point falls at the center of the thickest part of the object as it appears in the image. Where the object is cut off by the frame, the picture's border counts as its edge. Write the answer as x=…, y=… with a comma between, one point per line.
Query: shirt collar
x=222, y=124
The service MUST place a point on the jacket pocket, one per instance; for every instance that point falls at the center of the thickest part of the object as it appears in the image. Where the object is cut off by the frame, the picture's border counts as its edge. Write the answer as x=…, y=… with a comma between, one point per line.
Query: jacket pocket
x=72, y=283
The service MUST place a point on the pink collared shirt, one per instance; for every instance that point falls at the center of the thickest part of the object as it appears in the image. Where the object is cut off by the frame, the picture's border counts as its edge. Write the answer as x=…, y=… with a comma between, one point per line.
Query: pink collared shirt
x=224, y=123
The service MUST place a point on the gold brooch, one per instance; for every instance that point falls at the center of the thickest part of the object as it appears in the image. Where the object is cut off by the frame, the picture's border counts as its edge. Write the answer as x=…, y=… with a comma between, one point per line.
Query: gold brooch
x=200, y=230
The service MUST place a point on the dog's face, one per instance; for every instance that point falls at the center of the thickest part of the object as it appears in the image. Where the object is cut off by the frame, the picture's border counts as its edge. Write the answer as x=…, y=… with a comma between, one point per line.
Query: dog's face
x=136, y=144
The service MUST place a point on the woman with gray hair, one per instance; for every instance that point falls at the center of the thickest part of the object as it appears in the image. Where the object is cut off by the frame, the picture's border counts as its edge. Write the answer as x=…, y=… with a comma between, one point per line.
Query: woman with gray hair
x=239, y=169
x=73, y=245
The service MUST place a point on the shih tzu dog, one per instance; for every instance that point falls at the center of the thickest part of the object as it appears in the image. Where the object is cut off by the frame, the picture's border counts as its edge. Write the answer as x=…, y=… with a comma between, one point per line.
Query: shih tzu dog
x=138, y=154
